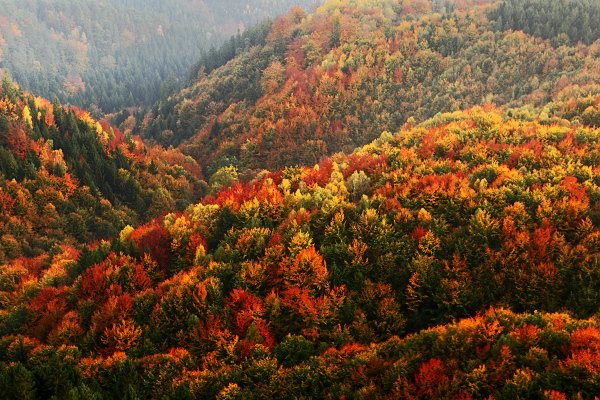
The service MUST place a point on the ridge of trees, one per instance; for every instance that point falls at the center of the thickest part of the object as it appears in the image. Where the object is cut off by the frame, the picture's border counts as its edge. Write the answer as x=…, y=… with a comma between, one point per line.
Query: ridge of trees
x=332, y=80
x=562, y=21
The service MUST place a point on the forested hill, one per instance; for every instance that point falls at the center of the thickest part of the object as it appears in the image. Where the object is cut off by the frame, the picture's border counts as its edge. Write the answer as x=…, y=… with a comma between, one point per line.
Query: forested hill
x=67, y=179
x=111, y=53
x=383, y=274
x=351, y=241
x=334, y=79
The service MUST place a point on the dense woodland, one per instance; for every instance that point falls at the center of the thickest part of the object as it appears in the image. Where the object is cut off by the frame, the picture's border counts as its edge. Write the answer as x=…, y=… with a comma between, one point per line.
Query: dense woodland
x=336, y=78
x=307, y=281
x=110, y=54
x=565, y=21
x=66, y=178
x=380, y=199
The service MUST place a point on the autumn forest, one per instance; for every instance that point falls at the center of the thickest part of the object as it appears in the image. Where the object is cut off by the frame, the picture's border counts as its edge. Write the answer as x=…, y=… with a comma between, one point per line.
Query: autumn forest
x=269, y=199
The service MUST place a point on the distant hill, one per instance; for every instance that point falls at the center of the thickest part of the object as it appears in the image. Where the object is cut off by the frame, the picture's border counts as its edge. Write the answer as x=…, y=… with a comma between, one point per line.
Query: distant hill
x=562, y=21
x=113, y=54
x=334, y=79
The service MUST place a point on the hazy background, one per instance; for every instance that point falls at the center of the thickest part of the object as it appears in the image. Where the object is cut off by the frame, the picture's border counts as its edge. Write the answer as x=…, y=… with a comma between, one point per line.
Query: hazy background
x=110, y=54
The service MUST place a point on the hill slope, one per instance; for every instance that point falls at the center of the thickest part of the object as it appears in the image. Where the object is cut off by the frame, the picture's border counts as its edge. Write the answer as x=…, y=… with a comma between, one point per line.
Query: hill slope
x=456, y=258
x=113, y=54
x=301, y=282
x=334, y=79
x=68, y=179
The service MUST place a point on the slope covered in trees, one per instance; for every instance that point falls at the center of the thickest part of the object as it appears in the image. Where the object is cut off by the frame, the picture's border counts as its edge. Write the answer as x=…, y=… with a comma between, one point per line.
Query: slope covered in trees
x=317, y=281
x=112, y=53
x=334, y=79
x=563, y=21
x=453, y=255
x=66, y=178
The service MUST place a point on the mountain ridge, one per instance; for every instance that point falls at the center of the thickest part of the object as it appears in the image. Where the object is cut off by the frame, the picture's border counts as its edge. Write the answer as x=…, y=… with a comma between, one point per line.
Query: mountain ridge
x=316, y=99
x=106, y=55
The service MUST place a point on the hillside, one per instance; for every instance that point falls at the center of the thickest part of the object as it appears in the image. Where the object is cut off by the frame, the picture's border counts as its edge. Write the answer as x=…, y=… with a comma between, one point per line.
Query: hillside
x=112, y=54
x=67, y=179
x=317, y=281
x=335, y=79
x=380, y=199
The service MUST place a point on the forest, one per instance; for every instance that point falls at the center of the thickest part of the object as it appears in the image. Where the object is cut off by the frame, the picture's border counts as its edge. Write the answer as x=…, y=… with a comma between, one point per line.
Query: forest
x=68, y=179
x=106, y=55
x=561, y=21
x=458, y=258
x=377, y=199
x=332, y=80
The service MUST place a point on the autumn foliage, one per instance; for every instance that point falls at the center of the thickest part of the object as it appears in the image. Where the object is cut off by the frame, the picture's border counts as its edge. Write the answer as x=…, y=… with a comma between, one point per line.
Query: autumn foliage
x=384, y=293
x=457, y=258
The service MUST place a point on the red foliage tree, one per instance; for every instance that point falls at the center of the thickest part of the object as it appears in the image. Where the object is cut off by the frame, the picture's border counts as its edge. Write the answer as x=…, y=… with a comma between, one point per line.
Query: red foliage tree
x=431, y=379
x=48, y=308
x=154, y=239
